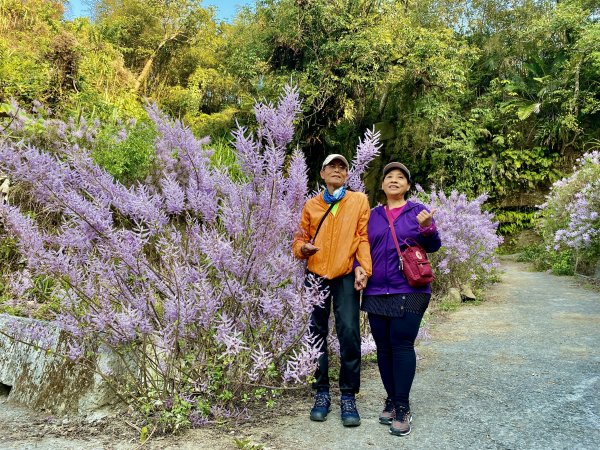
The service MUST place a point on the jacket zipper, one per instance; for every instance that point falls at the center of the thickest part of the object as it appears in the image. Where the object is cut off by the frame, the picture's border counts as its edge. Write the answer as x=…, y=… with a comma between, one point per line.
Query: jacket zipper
x=387, y=281
x=387, y=237
x=330, y=233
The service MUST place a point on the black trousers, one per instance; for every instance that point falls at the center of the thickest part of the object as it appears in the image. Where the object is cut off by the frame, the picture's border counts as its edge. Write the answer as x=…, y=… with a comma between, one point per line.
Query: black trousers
x=346, y=301
x=396, y=358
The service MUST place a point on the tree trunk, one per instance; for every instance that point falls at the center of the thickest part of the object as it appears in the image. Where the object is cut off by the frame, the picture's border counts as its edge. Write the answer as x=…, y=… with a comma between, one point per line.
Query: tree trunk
x=145, y=73
x=576, y=90
x=143, y=76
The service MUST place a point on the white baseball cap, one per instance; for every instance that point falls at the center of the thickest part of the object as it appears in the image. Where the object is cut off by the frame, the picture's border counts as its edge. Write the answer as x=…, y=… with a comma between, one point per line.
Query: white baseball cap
x=335, y=156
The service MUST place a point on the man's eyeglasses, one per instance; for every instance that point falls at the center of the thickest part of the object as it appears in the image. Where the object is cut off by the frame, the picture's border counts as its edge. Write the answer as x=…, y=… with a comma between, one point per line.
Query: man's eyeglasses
x=339, y=167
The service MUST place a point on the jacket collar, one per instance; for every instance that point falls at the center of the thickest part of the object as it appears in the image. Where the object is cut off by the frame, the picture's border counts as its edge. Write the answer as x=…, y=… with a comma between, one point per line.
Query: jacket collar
x=343, y=200
x=381, y=209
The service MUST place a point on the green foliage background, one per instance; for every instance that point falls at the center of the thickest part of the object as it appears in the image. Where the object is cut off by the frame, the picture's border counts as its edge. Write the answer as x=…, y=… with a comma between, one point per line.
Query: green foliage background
x=496, y=96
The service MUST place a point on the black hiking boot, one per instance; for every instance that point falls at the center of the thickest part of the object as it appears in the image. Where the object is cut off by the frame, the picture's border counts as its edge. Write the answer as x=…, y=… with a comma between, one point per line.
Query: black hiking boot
x=322, y=406
x=350, y=417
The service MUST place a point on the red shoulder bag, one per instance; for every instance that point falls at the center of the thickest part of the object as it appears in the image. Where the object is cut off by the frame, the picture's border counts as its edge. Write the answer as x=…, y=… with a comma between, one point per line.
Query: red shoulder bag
x=413, y=260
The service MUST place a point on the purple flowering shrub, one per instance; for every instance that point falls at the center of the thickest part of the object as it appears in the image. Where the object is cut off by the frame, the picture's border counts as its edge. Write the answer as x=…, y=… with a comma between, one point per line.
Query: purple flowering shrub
x=123, y=148
x=570, y=218
x=469, y=240
x=189, y=277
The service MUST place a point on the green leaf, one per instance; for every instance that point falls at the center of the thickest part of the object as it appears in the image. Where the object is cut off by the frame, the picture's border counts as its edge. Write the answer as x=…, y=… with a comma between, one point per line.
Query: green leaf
x=143, y=434
x=526, y=110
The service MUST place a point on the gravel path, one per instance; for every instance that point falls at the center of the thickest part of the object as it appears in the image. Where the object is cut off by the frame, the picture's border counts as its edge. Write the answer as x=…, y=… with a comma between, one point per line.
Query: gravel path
x=520, y=371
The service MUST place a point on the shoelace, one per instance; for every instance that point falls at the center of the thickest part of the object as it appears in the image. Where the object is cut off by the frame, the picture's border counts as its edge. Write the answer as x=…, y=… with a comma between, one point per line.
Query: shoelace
x=348, y=405
x=321, y=400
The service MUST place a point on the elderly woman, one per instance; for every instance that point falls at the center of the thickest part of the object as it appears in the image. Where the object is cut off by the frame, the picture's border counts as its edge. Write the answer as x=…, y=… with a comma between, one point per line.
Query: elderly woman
x=395, y=308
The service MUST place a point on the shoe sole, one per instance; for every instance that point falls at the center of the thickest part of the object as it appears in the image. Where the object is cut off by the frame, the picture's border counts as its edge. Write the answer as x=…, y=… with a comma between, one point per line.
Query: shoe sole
x=401, y=433
x=318, y=419
x=351, y=424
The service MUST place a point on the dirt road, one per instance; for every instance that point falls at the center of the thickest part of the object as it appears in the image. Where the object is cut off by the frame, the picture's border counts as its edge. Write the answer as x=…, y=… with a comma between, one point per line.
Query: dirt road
x=520, y=371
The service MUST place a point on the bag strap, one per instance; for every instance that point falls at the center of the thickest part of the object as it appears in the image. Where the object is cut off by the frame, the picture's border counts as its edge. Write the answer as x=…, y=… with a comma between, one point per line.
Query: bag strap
x=312, y=240
x=393, y=230
x=408, y=241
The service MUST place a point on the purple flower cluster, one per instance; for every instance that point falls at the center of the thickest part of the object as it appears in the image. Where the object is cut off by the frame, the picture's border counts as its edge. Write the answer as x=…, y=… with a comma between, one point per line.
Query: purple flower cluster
x=571, y=213
x=185, y=275
x=368, y=148
x=35, y=333
x=469, y=239
x=38, y=127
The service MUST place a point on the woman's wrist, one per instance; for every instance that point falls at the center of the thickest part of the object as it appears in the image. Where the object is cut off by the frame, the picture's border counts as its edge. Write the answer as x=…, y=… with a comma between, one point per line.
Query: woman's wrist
x=428, y=230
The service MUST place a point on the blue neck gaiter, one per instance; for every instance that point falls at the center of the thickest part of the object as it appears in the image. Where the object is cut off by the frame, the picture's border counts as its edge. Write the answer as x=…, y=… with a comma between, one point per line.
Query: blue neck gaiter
x=337, y=195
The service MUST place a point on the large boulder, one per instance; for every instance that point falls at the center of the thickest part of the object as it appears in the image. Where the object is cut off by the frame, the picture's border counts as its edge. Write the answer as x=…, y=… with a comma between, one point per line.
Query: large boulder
x=41, y=379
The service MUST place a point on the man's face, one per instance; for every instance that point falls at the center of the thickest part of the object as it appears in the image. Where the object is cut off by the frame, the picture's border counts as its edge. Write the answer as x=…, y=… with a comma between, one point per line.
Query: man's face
x=334, y=174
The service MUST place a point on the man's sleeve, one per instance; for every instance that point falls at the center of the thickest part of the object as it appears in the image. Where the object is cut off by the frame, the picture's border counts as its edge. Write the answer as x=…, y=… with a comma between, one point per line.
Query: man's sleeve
x=363, y=253
x=301, y=236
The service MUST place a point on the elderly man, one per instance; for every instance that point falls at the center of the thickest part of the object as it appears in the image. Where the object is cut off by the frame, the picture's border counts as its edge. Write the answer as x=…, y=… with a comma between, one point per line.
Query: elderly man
x=333, y=237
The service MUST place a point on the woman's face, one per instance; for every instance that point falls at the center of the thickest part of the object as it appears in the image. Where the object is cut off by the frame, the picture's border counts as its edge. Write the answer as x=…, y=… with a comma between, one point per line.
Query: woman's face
x=395, y=184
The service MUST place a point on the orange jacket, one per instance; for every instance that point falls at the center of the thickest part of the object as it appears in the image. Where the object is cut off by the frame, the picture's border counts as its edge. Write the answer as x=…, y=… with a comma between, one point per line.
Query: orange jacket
x=342, y=237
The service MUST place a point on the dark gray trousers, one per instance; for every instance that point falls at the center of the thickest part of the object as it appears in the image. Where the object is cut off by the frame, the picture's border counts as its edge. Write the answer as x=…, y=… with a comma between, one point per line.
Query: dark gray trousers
x=346, y=304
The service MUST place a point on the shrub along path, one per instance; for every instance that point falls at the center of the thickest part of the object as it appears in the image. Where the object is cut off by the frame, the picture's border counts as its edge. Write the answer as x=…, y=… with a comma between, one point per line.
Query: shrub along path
x=520, y=371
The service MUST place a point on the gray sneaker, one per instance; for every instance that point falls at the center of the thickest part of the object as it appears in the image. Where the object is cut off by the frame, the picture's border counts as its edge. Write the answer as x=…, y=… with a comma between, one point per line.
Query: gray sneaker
x=401, y=423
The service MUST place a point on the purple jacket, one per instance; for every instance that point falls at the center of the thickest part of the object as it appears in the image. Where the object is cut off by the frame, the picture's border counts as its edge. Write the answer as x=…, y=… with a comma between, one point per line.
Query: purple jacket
x=387, y=277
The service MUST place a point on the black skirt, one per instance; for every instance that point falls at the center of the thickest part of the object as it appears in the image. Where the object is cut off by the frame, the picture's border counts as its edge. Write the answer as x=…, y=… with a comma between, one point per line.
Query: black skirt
x=395, y=305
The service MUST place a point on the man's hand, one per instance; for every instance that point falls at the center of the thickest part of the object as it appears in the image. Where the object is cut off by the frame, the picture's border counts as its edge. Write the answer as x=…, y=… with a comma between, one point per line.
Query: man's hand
x=309, y=249
x=425, y=218
x=360, y=278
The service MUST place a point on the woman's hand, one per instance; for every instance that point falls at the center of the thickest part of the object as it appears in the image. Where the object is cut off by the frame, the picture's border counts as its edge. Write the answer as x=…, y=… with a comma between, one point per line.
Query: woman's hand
x=425, y=218
x=360, y=278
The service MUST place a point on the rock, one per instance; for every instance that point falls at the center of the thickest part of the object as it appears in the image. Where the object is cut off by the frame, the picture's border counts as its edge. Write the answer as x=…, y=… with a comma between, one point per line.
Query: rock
x=466, y=293
x=453, y=295
x=42, y=380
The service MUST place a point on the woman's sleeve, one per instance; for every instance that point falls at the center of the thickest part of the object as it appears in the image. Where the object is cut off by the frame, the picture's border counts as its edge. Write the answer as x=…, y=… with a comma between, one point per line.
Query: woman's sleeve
x=429, y=237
